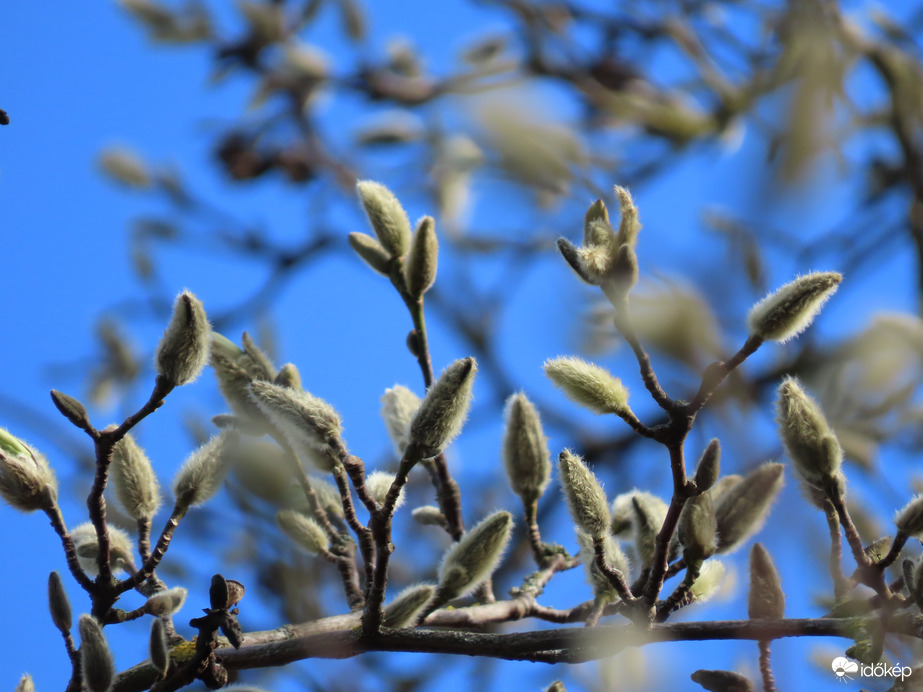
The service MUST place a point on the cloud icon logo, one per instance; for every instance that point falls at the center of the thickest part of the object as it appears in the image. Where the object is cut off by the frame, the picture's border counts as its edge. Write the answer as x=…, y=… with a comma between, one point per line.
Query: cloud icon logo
x=843, y=666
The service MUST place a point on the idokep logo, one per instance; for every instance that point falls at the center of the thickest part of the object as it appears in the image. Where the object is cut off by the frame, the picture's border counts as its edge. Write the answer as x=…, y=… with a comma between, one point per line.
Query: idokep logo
x=844, y=669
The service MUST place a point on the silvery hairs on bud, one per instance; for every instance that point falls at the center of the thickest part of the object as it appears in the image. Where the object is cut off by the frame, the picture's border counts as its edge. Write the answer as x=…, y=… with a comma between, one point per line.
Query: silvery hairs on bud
x=398, y=407
x=422, y=262
x=525, y=449
x=203, y=471
x=303, y=530
x=623, y=511
x=166, y=602
x=742, y=509
x=95, y=658
x=429, y=515
x=697, y=528
x=403, y=610
x=58, y=604
x=235, y=369
x=467, y=563
x=379, y=483
x=133, y=478
x=183, y=350
x=585, y=496
x=615, y=558
x=766, y=599
x=371, y=252
x=588, y=385
x=709, y=581
x=27, y=483
x=790, y=310
x=442, y=412
x=288, y=376
x=909, y=519
x=86, y=544
x=709, y=466
x=809, y=440
x=25, y=684
x=386, y=215
x=159, y=649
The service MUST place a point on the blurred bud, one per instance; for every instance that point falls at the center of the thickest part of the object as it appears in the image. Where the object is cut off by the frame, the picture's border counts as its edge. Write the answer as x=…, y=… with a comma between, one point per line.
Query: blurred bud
x=525, y=449
x=398, y=407
x=443, y=411
x=709, y=581
x=125, y=167
x=26, y=481
x=556, y=686
x=585, y=496
x=766, y=598
x=588, y=385
x=328, y=497
x=907, y=571
x=379, y=483
x=203, y=471
x=909, y=520
x=428, y=515
x=159, y=649
x=58, y=604
x=71, y=409
x=134, y=480
x=722, y=681
x=786, y=313
x=235, y=369
x=86, y=544
x=407, y=605
x=167, y=602
x=623, y=510
x=288, y=376
x=742, y=509
x=596, y=214
x=615, y=558
x=474, y=557
x=697, y=528
x=808, y=438
x=96, y=664
x=629, y=225
x=387, y=216
x=622, y=277
x=25, y=682
x=423, y=259
x=263, y=468
x=573, y=257
x=304, y=531
x=647, y=521
x=183, y=350
x=709, y=466
x=371, y=252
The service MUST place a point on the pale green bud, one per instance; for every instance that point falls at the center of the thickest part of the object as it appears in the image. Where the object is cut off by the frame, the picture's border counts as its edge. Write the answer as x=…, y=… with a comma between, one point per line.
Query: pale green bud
x=766, y=599
x=470, y=561
x=588, y=385
x=304, y=531
x=263, y=468
x=86, y=544
x=25, y=684
x=709, y=581
x=379, y=483
x=622, y=277
x=26, y=481
x=623, y=510
x=596, y=214
x=525, y=449
x=709, y=466
x=443, y=411
x=909, y=520
x=135, y=484
x=259, y=362
x=697, y=528
x=629, y=224
x=166, y=602
x=183, y=350
x=96, y=664
x=808, y=438
x=203, y=471
x=387, y=216
x=398, y=407
x=428, y=515
x=722, y=681
x=786, y=313
x=423, y=259
x=407, y=605
x=71, y=409
x=647, y=521
x=371, y=252
x=58, y=604
x=159, y=648
x=585, y=496
x=235, y=369
x=615, y=558
x=288, y=376
x=743, y=508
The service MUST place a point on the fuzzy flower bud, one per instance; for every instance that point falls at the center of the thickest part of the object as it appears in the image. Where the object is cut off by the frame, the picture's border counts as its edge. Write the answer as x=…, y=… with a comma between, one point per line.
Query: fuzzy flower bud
x=159, y=648
x=25, y=682
x=596, y=214
x=742, y=508
x=407, y=605
x=202, y=473
x=709, y=466
x=95, y=658
x=183, y=350
x=379, y=483
x=263, y=468
x=615, y=558
x=722, y=680
x=58, y=604
x=585, y=496
x=647, y=520
x=26, y=481
x=387, y=217
x=304, y=531
x=629, y=224
x=473, y=558
x=235, y=369
x=709, y=581
x=588, y=385
x=166, y=602
x=420, y=270
x=525, y=449
x=697, y=528
x=624, y=514
x=808, y=438
x=443, y=411
x=909, y=520
x=288, y=376
x=398, y=407
x=786, y=313
x=766, y=599
x=429, y=515
x=86, y=543
x=371, y=251
x=134, y=480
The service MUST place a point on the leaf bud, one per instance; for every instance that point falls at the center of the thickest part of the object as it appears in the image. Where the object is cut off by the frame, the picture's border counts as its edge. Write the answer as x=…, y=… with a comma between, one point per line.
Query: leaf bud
x=96, y=664
x=167, y=602
x=379, y=483
x=697, y=528
x=588, y=385
x=135, y=484
x=159, y=648
x=766, y=599
x=288, y=376
x=58, y=604
x=306, y=421
x=909, y=520
x=398, y=407
x=387, y=217
x=71, y=409
x=407, y=605
x=585, y=496
x=470, y=561
x=525, y=449
x=743, y=508
x=420, y=270
x=371, y=252
x=304, y=531
x=443, y=411
x=808, y=438
x=27, y=483
x=786, y=313
x=709, y=466
x=203, y=471
x=183, y=350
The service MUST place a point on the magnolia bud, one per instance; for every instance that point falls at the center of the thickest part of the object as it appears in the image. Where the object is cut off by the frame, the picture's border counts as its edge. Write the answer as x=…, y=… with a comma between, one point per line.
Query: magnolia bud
x=697, y=527
x=791, y=309
x=304, y=531
x=306, y=421
x=159, y=648
x=371, y=251
x=573, y=257
x=86, y=544
x=556, y=686
x=428, y=515
x=407, y=605
x=647, y=520
x=471, y=560
x=71, y=409
x=743, y=507
x=622, y=277
x=203, y=471
x=709, y=466
x=26, y=481
x=722, y=681
x=134, y=480
x=909, y=520
x=808, y=438
x=588, y=384
x=443, y=411
x=623, y=510
x=398, y=407
x=596, y=214
x=288, y=376
x=766, y=599
x=525, y=449
x=615, y=558
x=166, y=602
x=387, y=216
x=235, y=369
x=422, y=262
x=183, y=350
x=629, y=225
x=96, y=663
x=709, y=581
x=379, y=483
x=585, y=496
x=58, y=604
x=25, y=682
x=263, y=468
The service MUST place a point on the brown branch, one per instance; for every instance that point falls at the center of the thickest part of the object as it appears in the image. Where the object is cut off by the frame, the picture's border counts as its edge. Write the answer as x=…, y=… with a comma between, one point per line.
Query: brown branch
x=769, y=683
x=70, y=551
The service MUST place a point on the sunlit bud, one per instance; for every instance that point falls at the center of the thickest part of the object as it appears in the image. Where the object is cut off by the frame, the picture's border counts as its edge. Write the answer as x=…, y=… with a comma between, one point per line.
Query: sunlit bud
x=623, y=510
x=443, y=411
x=629, y=225
x=556, y=686
x=71, y=409
x=709, y=581
x=766, y=599
x=647, y=520
x=407, y=605
x=328, y=497
x=791, y=309
x=473, y=558
x=808, y=438
x=743, y=508
x=623, y=276
x=572, y=256
x=134, y=480
x=585, y=496
x=203, y=471
x=709, y=466
x=598, y=258
x=58, y=604
x=263, y=468
x=25, y=682
x=723, y=485
x=909, y=520
x=303, y=530
x=371, y=252
x=95, y=658
x=124, y=167
x=183, y=349
x=121, y=551
x=596, y=214
x=428, y=515
x=379, y=483
x=615, y=558
x=398, y=407
x=288, y=376
x=166, y=602
x=423, y=260
x=159, y=649
x=722, y=681
x=387, y=216
x=26, y=481
x=525, y=449
x=697, y=527
x=235, y=369
x=588, y=385
x=305, y=420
